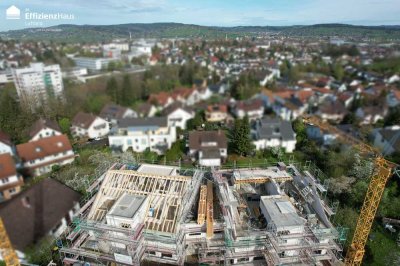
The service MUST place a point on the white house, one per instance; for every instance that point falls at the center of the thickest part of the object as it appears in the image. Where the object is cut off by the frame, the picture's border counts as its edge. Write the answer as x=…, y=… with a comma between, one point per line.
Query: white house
x=44, y=128
x=10, y=180
x=393, y=98
x=187, y=96
x=89, y=126
x=6, y=145
x=332, y=110
x=113, y=112
x=178, y=115
x=210, y=147
x=253, y=109
x=387, y=139
x=146, y=110
x=140, y=134
x=269, y=75
x=38, y=157
x=289, y=109
x=393, y=79
x=271, y=132
x=371, y=114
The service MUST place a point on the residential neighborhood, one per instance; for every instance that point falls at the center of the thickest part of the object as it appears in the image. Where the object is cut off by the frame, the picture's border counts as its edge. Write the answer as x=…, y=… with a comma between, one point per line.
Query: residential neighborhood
x=182, y=144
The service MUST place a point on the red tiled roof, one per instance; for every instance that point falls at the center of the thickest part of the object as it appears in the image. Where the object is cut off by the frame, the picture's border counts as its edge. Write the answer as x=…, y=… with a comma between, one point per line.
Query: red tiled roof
x=217, y=108
x=304, y=95
x=284, y=94
x=160, y=98
x=249, y=105
x=43, y=147
x=7, y=166
x=322, y=90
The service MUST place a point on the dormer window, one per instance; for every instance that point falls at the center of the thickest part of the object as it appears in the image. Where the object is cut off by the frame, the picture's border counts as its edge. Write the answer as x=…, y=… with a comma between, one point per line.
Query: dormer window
x=26, y=202
x=38, y=149
x=59, y=144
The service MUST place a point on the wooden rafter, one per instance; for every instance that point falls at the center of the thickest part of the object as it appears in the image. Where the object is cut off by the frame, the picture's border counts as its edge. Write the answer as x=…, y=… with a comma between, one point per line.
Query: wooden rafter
x=201, y=214
x=210, y=210
x=165, y=195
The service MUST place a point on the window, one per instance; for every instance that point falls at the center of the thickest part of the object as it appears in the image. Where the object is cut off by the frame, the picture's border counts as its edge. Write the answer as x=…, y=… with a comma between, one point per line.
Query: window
x=125, y=225
x=129, y=142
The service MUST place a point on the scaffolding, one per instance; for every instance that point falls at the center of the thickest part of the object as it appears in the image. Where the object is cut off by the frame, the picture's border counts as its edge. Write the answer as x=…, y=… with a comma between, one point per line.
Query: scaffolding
x=217, y=229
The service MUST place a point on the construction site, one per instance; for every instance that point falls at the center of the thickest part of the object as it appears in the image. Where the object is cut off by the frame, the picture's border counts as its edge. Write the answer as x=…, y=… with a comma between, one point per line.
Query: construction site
x=149, y=214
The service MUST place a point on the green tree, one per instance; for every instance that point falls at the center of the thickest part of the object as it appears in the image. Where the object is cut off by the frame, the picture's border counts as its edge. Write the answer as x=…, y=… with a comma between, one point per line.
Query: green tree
x=338, y=71
x=196, y=122
x=293, y=74
x=393, y=117
x=176, y=152
x=240, y=138
x=112, y=89
x=127, y=96
x=65, y=124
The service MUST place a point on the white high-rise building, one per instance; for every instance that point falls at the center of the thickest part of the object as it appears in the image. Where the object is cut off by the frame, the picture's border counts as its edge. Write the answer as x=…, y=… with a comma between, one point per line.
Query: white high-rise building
x=35, y=84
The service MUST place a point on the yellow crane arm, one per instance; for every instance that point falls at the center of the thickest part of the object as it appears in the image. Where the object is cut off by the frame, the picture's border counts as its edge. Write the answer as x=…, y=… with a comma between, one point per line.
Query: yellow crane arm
x=371, y=203
x=7, y=251
x=382, y=173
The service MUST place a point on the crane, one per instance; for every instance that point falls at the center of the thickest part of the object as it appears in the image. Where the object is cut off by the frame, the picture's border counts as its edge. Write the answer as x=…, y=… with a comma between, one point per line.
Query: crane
x=383, y=171
x=7, y=251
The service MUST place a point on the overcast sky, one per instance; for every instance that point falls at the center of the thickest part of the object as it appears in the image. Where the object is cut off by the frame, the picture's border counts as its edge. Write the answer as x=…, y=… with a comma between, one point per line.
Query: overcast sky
x=208, y=12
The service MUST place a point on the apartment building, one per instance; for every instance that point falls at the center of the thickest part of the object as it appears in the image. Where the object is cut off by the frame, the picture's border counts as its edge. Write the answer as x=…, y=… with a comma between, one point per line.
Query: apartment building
x=37, y=83
x=142, y=133
x=38, y=157
x=10, y=180
x=92, y=64
x=159, y=214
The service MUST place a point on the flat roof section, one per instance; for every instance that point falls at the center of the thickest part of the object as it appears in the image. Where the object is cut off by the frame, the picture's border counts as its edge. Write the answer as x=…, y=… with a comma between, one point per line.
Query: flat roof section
x=127, y=206
x=157, y=170
x=281, y=211
x=243, y=175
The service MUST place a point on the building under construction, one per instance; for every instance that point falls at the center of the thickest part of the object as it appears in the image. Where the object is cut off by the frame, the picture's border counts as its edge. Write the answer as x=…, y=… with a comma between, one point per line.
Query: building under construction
x=164, y=215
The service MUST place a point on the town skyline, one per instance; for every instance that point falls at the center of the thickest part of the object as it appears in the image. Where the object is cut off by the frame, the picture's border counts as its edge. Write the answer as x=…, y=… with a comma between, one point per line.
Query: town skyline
x=247, y=13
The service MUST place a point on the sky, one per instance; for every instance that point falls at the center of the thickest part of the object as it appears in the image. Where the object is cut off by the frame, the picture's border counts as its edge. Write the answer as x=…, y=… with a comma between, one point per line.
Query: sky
x=205, y=12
